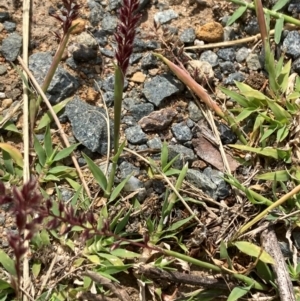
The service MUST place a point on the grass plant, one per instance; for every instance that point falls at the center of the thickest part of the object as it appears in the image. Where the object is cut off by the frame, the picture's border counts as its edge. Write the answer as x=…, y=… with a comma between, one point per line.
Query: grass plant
x=100, y=236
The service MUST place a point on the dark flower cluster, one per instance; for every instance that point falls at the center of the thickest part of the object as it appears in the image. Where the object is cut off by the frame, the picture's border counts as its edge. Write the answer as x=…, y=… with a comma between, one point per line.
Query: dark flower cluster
x=25, y=203
x=125, y=32
x=30, y=212
x=67, y=15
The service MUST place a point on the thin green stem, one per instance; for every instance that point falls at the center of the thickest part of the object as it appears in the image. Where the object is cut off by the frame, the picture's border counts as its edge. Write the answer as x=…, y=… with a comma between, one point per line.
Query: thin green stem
x=274, y=205
x=277, y=15
x=118, y=93
x=259, y=198
x=249, y=281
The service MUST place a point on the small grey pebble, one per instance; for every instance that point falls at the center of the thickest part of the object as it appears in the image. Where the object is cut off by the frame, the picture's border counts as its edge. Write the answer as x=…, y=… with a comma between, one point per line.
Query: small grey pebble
x=135, y=135
x=226, y=54
x=236, y=76
x=154, y=143
x=210, y=57
x=182, y=132
x=242, y=54
x=188, y=36
x=10, y=26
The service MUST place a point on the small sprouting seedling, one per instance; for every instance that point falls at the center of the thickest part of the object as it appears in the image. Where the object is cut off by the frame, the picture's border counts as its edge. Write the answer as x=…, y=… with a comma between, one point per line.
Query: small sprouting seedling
x=294, y=271
x=166, y=165
x=48, y=166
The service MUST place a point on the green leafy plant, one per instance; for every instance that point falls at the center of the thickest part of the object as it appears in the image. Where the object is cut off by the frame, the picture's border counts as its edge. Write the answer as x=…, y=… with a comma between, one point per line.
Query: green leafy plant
x=48, y=166
x=273, y=12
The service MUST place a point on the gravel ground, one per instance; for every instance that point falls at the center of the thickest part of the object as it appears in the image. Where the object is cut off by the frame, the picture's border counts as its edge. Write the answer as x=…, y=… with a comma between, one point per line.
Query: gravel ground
x=156, y=106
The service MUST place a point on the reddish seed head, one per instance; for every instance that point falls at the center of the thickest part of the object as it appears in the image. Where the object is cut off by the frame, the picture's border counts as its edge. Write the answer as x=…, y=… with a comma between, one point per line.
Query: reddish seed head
x=125, y=32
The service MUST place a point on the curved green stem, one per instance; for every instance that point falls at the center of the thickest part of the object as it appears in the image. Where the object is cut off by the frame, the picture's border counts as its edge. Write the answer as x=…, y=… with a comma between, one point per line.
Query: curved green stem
x=247, y=280
x=277, y=15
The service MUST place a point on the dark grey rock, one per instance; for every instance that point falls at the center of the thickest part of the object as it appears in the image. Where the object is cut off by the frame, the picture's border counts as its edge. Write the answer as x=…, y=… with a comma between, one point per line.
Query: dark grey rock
x=11, y=46
x=135, y=57
x=296, y=65
x=10, y=26
x=129, y=120
x=107, y=52
x=108, y=84
x=158, y=186
x=226, y=54
x=242, y=54
x=3, y=69
x=291, y=44
x=253, y=62
x=218, y=74
x=4, y=16
x=127, y=168
x=71, y=63
x=152, y=45
x=181, y=132
x=285, y=249
x=188, y=36
x=165, y=16
x=227, y=67
x=135, y=135
x=252, y=28
x=138, y=111
x=190, y=123
x=109, y=98
x=109, y=24
x=139, y=45
x=84, y=53
x=128, y=102
x=149, y=61
x=296, y=237
x=89, y=125
x=224, y=20
x=66, y=195
x=141, y=147
x=133, y=184
x=217, y=177
x=210, y=57
x=294, y=8
x=226, y=134
x=186, y=155
x=236, y=76
x=100, y=36
x=143, y=4
x=202, y=182
x=92, y=3
x=229, y=33
x=113, y=4
x=160, y=87
x=63, y=83
x=96, y=14
x=194, y=112
x=154, y=143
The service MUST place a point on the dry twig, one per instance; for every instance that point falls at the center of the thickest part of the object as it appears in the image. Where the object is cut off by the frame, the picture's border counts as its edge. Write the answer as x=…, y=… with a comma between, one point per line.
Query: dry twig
x=61, y=131
x=285, y=286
